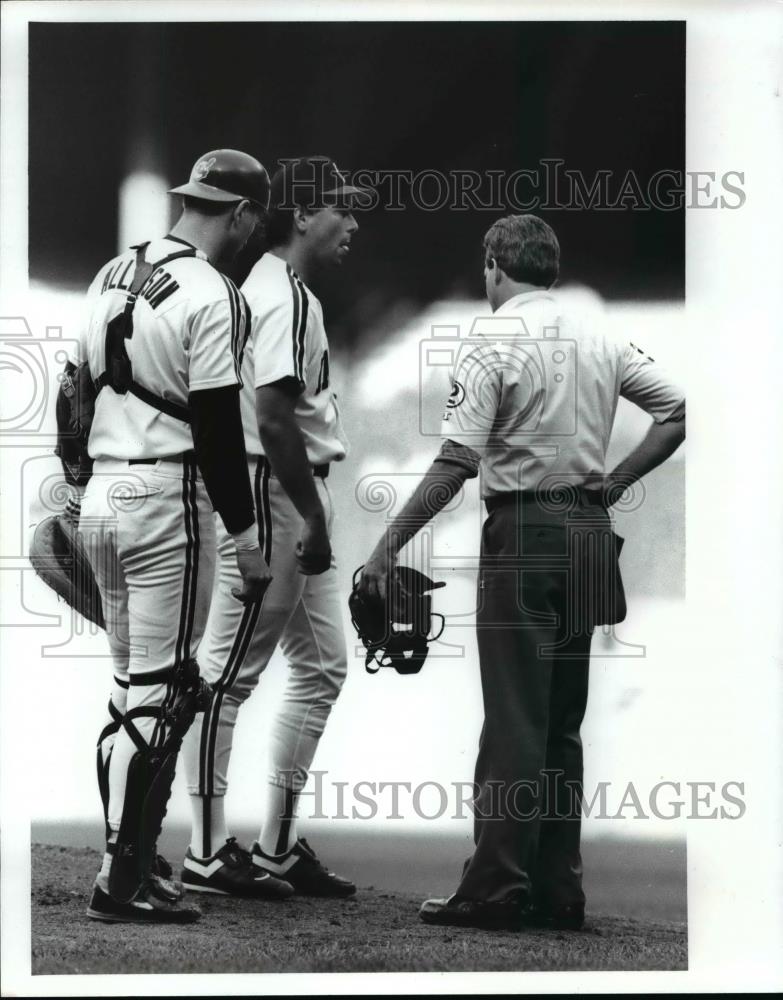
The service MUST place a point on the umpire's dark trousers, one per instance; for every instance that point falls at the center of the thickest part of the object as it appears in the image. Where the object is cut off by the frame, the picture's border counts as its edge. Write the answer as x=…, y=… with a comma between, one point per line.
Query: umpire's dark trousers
x=548, y=574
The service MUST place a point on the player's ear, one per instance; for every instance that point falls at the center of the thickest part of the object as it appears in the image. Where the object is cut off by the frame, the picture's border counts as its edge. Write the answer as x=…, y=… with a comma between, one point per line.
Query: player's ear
x=492, y=265
x=240, y=210
x=300, y=219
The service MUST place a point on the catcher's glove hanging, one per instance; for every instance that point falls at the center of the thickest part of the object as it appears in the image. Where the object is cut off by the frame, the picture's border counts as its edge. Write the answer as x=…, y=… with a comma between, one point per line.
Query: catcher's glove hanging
x=397, y=632
x=58, y=557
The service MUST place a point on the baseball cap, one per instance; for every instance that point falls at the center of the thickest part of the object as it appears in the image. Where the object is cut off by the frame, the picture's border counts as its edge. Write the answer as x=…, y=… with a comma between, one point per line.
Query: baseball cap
x=313, y=182
x=227, y=175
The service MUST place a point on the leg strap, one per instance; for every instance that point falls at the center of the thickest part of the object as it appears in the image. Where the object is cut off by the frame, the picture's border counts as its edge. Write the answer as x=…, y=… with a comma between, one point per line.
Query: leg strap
x=150, y=775
x=142, y=712
x=102, y=762
x=112, y=727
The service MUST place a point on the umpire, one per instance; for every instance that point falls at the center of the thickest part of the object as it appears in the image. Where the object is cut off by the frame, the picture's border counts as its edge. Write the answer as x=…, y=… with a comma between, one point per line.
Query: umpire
x=531, y=408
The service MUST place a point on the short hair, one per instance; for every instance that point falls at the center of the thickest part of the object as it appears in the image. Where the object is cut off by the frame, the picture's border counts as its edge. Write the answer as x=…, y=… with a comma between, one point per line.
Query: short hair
x=526, y=248
x=279, y=226
x=307, y=182
x=204, y=206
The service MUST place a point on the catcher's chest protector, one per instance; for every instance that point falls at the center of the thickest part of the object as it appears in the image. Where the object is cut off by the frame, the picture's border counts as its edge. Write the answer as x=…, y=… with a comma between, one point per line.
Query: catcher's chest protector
x=79, y=391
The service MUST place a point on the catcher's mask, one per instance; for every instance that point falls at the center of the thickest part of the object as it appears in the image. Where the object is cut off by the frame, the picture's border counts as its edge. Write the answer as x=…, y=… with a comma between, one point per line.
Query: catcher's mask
x=397, y=632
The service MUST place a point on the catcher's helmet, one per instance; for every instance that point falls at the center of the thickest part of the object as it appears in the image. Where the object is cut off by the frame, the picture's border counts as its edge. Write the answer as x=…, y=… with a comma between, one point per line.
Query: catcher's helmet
x=397, y=633
x=227, y=175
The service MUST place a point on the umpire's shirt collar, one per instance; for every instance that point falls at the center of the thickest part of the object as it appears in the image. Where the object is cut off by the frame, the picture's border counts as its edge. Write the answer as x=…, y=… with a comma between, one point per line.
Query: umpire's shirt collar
x=523, y=298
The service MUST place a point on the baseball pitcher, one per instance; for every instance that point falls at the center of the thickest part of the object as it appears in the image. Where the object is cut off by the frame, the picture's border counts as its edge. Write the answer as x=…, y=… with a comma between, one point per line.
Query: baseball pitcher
x=293, y=434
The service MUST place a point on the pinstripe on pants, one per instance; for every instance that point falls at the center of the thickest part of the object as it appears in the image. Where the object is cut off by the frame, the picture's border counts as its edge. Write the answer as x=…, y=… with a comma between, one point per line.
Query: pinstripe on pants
x=149, y=534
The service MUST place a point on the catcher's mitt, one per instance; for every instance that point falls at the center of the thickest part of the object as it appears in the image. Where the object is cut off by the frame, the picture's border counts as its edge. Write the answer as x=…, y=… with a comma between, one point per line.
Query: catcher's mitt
x=397, y=632
x=58, y=557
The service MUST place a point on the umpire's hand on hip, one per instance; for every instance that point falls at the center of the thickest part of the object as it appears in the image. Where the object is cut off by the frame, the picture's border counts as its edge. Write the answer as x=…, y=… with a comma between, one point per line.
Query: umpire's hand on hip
x=609, y=485
x=314, y=550
x=255, y=574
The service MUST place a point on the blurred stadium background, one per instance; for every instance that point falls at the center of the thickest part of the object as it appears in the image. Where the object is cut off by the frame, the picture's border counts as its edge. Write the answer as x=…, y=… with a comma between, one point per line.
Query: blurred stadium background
x=119, y=112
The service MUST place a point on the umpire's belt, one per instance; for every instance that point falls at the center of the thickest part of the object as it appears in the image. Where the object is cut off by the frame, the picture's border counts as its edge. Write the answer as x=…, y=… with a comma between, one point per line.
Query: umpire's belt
x=554, y=501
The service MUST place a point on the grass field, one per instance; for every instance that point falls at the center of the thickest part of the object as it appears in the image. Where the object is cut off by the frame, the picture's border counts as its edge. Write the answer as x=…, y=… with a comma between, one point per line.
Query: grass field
x=636, y=916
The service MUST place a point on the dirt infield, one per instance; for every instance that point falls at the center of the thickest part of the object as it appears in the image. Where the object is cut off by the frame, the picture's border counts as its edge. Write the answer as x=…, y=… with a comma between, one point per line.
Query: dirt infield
x=377, y=931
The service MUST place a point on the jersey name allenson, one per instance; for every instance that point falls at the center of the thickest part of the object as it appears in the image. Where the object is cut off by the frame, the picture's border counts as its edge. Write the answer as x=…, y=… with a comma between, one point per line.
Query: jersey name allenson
x=158, y=287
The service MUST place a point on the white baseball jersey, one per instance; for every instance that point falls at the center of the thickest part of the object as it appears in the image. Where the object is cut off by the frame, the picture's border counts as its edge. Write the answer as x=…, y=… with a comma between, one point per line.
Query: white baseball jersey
x=288, y=340
x=190, y=324
x=535, y=394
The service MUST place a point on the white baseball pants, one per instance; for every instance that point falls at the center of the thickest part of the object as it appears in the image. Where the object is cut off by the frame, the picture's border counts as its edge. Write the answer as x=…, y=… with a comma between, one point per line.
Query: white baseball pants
x=302, y=614
x=149, y=533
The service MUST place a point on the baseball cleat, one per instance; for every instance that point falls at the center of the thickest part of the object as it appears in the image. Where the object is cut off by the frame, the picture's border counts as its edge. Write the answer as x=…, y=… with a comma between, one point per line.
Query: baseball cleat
x=152, y=904
x=231, y=872
x=458, y=911
x=304, y=871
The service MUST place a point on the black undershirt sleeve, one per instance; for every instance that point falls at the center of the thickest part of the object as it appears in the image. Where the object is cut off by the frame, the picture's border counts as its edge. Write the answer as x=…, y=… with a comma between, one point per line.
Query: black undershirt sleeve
x=289, y=385
x=459, y=454
x=219, y=442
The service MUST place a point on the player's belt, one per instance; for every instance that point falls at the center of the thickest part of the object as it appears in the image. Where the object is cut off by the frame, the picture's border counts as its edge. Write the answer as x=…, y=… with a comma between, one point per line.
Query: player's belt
x=182, y=457
x=321, y=471
x=553, y=500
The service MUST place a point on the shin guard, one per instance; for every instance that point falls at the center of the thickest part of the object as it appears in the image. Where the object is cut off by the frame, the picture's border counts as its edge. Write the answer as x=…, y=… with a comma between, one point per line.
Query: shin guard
x=103, y=763
x=149, y=780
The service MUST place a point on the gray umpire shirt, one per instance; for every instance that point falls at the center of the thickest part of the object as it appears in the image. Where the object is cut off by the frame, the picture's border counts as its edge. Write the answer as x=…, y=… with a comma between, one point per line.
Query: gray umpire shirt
x=535, y=392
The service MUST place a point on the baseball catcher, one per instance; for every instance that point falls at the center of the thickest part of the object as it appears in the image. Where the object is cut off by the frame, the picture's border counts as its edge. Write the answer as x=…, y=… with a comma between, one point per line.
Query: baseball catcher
x=138, y=438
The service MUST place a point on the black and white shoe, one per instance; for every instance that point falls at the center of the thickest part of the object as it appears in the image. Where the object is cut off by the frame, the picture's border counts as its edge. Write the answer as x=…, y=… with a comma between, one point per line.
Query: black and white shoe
x=303, y=870
x=152, y=904
x=231, y=872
